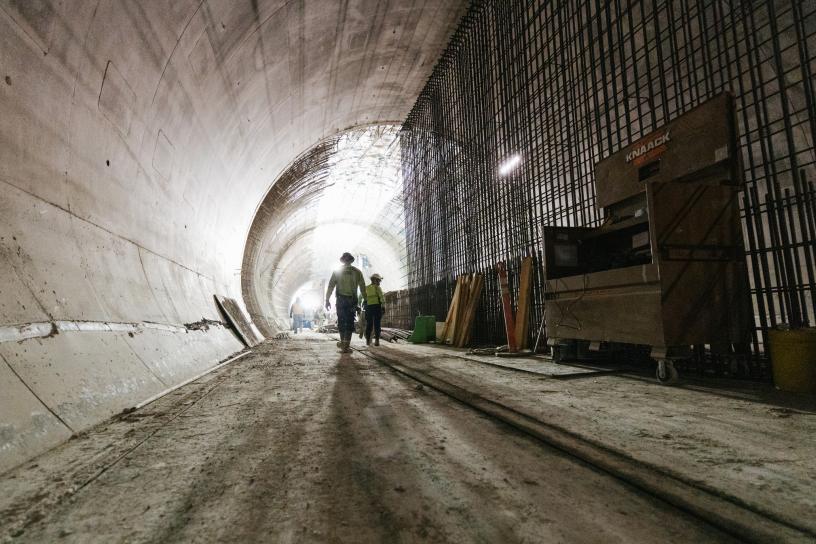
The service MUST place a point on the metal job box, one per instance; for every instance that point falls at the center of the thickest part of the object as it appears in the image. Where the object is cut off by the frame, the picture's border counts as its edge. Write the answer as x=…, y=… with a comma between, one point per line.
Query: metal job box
x=666, y=268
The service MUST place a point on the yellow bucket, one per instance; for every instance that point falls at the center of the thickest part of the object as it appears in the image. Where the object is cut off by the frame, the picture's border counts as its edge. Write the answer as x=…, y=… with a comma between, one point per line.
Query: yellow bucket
x=793, y=359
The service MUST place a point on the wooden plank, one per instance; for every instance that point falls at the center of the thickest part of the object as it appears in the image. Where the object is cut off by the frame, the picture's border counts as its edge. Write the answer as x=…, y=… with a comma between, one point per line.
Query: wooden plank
x=460, y=308
x=451, y=310
x=523, y=307
x=466, y=325
x=475, y=299
x=507, y=308
x=240, y=322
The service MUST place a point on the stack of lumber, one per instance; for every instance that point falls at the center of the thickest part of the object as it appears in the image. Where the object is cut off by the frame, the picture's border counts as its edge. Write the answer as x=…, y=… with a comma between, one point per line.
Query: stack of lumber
x=459, y=323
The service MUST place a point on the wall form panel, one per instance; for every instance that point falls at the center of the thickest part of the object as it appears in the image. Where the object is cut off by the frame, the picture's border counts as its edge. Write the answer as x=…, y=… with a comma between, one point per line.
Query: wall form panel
x=564, y=84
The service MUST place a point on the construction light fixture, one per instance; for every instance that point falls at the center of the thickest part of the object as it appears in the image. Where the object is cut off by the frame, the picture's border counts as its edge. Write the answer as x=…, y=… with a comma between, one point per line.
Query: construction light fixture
x=509, y=165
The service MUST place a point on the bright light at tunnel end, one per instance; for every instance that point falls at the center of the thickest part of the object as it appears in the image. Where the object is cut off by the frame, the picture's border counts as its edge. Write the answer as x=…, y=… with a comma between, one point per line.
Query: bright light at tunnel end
x=509, y=165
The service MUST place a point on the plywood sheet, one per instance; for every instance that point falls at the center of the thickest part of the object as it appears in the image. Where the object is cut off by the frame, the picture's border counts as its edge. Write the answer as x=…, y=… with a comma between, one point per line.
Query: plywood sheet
x=239, y=321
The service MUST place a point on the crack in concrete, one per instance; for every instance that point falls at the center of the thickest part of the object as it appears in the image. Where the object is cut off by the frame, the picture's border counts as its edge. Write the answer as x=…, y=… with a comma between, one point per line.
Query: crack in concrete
x=49, y=329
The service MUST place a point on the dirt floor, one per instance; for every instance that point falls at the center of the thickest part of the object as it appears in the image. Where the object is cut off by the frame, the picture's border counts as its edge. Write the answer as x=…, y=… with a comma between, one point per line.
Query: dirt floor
x=746, y=441
x=297, y=443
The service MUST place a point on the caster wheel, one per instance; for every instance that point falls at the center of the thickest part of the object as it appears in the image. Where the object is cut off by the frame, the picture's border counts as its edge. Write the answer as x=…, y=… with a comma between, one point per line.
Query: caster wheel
x=666, y=373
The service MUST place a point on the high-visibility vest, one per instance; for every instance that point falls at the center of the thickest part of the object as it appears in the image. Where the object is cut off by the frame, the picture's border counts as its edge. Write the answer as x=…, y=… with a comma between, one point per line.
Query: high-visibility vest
x=374, y=294
x=347, y=280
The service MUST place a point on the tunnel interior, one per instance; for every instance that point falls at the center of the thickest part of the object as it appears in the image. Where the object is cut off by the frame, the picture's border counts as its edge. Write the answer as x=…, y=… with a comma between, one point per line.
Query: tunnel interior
x=345, y=194
x=595, y=304
x=141, y=148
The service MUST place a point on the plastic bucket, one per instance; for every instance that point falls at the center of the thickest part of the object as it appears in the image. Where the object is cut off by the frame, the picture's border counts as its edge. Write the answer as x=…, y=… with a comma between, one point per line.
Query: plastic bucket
x=424, y=329
x=793, y=359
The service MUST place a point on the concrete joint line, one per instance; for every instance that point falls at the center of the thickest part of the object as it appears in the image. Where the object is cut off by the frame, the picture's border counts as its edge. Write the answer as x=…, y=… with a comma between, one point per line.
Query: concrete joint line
x=727, y=513
x=105, y=229
x=185, y=382
x=150, y=435
x=47, y=329
x=36, y=396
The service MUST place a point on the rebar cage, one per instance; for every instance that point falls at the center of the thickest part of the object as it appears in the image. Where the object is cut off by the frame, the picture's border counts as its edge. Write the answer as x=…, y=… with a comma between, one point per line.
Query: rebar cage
x=565, y=84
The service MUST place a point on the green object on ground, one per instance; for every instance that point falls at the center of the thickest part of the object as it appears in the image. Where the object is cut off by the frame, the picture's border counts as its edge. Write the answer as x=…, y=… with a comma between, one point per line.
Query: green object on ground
x=424, y=329
x=793, y=359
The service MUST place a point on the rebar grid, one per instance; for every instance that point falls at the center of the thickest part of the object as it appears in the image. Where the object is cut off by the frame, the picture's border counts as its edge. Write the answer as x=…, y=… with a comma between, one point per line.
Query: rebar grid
x=565, y=84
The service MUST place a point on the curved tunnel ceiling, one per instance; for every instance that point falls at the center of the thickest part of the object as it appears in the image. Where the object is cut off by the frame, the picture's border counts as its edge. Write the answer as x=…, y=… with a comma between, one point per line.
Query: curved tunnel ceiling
x=184, y=111
x=138, y=139
x=345, y=194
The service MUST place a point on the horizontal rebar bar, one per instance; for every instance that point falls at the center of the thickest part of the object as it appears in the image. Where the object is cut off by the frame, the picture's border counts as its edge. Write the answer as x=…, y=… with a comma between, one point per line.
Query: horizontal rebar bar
x=565, y=84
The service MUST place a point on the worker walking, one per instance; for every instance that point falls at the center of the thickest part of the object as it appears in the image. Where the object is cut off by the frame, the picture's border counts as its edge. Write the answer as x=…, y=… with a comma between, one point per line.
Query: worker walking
x=318, y=318
x=347, y=280
x=374, y=304
x=297, y=313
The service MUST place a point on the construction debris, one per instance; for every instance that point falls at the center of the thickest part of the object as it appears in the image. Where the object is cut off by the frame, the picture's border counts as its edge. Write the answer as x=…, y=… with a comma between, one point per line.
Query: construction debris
x=394, y=335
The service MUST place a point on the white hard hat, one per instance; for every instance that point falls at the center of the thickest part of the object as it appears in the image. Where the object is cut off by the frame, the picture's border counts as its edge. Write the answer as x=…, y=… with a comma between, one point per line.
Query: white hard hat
x=376, y=277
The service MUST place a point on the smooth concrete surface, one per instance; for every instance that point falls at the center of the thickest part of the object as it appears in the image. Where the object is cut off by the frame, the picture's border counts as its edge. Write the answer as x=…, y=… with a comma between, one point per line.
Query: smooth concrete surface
x=138, y=140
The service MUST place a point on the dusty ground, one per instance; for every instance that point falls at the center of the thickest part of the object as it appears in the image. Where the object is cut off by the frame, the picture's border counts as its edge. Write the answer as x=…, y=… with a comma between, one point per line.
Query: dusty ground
x=296, y=443
x=747, y=441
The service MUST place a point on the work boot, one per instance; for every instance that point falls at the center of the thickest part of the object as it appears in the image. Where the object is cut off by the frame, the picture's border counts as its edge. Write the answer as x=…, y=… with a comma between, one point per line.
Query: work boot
x=376, y=340
x=368, y=340
x=345, y=340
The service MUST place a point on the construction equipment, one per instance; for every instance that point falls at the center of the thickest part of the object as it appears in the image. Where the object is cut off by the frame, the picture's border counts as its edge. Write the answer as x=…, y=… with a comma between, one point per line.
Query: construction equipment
x=666, y=268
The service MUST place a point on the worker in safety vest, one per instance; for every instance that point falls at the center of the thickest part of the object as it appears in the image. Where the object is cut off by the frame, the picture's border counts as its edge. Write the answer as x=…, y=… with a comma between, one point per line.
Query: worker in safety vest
x=374, y=304
x=347, y=280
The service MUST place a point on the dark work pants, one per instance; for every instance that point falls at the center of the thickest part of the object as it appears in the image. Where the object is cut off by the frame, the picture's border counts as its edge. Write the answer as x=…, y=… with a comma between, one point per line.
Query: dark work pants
x=373, y=319
x=346, y=307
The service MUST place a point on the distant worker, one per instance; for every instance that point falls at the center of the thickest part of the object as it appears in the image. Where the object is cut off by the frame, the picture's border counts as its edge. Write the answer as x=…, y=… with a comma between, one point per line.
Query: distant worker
x=348, y=279
x=374, y=304
x=297, y=313
x=318, y=318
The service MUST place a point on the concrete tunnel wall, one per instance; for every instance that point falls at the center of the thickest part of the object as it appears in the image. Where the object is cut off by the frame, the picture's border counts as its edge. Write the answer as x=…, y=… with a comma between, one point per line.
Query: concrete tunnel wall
x=137, y=140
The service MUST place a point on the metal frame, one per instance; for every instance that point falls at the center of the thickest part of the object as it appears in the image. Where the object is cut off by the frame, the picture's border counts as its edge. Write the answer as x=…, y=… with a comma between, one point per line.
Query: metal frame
x=565, y=84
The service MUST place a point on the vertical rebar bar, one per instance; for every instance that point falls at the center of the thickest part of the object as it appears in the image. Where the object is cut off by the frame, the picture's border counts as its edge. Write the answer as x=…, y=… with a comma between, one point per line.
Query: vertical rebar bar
x=564, y=84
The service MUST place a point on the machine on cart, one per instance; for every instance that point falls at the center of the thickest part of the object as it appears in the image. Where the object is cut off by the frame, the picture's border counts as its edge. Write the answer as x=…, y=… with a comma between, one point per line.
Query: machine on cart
x=666, y=269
